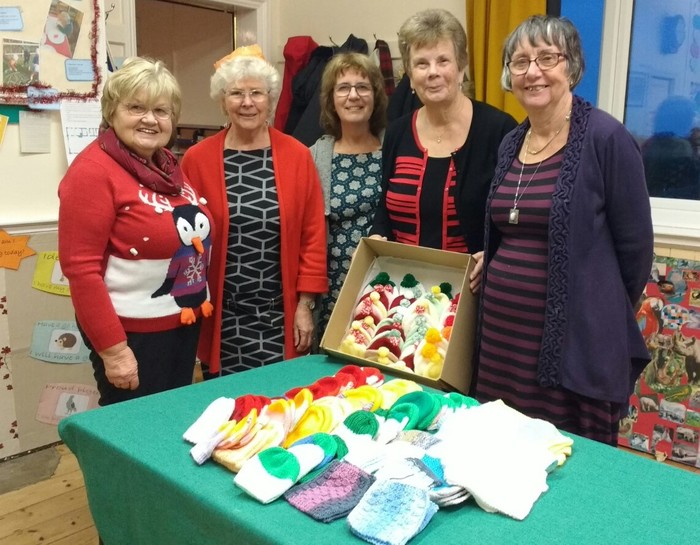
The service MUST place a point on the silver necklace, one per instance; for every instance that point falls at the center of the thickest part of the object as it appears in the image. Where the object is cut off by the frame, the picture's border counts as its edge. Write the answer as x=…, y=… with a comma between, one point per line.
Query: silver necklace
x=514, y=213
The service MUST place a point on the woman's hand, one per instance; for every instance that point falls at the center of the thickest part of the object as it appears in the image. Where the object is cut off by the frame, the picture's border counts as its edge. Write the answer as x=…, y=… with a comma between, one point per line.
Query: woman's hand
x=378, y=237
x=475, y=276
x=303, y=326
x=121, y=367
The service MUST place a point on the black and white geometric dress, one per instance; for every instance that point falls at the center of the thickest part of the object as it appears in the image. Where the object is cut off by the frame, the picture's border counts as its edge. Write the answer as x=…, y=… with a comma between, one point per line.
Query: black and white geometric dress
x=252, y=331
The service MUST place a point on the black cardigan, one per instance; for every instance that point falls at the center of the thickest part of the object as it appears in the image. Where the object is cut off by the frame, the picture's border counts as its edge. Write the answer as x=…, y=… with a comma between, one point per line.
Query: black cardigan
x=475, y=163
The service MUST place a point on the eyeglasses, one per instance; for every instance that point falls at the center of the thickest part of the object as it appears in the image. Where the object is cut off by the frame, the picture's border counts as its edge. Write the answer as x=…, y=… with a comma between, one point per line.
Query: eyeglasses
x=362, y=89
x=139, y=110
x=545, y=61
x=238, y=95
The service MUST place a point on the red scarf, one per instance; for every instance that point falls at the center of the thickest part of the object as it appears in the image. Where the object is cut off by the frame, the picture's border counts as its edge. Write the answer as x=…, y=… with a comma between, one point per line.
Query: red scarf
x=162, y=175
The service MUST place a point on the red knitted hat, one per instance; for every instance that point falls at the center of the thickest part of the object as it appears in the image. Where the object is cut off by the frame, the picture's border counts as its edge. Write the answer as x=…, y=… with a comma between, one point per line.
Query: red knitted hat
x=243, y=406
x=373, y=376
x=325, y=386
x=392, y=339
x=355, y=371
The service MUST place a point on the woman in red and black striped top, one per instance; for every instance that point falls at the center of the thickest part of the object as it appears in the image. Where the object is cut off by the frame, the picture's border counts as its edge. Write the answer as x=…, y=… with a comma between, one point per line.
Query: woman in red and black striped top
x=438, y=161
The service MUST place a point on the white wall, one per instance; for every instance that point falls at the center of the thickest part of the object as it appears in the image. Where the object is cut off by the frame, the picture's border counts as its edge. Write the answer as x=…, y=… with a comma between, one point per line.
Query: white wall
x=29, y=181
x=337, y=19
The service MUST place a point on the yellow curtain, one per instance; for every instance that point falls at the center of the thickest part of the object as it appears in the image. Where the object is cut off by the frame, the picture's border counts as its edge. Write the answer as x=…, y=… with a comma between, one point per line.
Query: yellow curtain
x=488, y=24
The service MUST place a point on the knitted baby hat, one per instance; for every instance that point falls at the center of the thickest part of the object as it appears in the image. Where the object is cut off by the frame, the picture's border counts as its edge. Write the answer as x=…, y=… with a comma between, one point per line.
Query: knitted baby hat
x=270, y=473
x=331, y=495
x=391, y=513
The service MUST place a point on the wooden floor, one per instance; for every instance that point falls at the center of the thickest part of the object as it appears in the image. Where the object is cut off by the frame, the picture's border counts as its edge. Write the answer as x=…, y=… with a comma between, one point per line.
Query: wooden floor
x=55, y=511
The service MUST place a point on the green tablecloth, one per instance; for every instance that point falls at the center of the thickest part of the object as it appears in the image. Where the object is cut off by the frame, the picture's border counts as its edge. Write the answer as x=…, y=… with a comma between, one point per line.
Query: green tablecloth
x=144, y=489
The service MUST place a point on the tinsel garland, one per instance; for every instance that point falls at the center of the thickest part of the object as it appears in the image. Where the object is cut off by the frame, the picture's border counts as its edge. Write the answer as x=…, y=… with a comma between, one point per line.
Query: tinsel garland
x=17, y=94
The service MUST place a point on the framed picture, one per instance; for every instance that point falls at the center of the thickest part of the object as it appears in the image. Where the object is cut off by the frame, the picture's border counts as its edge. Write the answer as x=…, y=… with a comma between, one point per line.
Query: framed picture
x=637, y=89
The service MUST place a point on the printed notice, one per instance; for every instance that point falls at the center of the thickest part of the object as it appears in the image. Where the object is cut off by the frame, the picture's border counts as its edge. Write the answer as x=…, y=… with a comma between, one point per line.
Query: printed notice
x=58, y=342
x=60, y=400
x=81, y=124
x=48, y=276
x=79, y=70
x=34, y=132
x=10, y=19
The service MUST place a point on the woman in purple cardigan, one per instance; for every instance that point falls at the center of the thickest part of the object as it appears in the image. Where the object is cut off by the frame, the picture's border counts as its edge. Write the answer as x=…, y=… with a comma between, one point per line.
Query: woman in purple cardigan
x=568, y=247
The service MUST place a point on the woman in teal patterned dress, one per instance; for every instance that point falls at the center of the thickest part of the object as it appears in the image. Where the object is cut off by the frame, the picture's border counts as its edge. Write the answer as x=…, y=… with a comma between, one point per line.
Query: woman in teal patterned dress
x=348, y=158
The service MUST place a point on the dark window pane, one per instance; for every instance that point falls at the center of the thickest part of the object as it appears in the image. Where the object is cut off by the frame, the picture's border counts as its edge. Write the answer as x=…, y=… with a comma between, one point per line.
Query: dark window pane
x=662, y=106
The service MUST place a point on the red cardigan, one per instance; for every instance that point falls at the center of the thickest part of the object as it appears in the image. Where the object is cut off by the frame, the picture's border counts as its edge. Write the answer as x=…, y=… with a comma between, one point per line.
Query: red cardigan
x=303, y=229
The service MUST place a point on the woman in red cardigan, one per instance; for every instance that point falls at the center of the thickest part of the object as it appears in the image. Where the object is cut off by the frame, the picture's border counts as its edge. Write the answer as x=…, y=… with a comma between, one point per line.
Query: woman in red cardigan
x=269, y=258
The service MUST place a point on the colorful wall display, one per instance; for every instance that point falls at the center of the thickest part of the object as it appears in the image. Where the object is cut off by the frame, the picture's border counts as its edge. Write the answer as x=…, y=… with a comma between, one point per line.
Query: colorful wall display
x=50, y=50
x=664, y=411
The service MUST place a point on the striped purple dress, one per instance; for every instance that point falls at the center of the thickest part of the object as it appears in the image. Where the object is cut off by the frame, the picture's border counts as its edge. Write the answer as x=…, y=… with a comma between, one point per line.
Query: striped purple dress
x=514, y=311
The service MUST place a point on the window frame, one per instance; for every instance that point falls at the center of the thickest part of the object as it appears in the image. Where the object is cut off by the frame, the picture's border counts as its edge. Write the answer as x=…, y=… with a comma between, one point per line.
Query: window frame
x=676, y=221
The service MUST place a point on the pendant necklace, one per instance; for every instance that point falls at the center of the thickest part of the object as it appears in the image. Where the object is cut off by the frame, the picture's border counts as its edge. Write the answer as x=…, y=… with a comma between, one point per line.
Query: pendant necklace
x=438, y=138
x=514, y=213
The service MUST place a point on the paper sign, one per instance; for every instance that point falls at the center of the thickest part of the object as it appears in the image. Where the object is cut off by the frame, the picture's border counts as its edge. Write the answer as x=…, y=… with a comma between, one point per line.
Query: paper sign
x=36, y=98
x=60, y=400
x=79, y=70
x=13, y=250
x=48, y=276
x=34, y=132
x=4, y=120
x=81, y=124
x=10, y=19
x=58, y=342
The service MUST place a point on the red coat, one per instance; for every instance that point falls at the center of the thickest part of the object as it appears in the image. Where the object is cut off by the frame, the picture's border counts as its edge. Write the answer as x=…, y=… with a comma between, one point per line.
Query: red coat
x=302, y=226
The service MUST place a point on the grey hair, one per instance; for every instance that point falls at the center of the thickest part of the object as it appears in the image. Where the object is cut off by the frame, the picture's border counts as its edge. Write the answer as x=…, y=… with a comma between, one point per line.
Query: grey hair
x=557, y=31
x=428, y=27
x=244, y=67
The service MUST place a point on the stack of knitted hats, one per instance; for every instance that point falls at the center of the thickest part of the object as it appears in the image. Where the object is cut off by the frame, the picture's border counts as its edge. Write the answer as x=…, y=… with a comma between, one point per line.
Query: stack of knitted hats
x=231, y=431
x=385, y=454
x=405, y=327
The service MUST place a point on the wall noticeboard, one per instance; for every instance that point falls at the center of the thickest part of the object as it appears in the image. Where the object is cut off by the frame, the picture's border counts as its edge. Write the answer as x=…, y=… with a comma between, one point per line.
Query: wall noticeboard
x=51, y=50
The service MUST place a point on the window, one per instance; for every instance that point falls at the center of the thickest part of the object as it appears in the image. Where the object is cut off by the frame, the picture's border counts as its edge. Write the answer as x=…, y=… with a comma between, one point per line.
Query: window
x=650, y=79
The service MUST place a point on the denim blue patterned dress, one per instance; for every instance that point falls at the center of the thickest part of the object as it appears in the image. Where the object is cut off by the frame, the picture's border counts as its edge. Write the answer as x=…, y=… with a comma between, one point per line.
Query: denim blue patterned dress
x=354, y=196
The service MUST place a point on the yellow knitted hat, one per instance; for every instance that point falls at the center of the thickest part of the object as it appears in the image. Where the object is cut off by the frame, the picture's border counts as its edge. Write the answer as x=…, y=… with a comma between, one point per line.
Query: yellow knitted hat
x=243, y=51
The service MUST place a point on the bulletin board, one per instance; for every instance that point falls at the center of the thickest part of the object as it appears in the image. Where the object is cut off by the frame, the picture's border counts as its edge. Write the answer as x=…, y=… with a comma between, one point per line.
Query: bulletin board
x=50, y=50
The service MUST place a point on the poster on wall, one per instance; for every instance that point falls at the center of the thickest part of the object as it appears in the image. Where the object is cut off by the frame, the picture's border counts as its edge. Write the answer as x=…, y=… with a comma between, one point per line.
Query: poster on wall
x=60, y=400
x=51, y=50
x=58, y=342
x=48, y=275
x=13, y=249
x=664, y=411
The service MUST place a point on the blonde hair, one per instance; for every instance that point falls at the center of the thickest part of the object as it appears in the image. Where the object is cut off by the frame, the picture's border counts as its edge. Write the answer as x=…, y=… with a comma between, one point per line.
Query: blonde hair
x=141, y=75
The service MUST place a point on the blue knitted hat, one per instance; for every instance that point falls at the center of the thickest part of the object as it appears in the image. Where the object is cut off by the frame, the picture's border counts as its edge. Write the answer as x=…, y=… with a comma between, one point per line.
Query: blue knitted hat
x=391, y=513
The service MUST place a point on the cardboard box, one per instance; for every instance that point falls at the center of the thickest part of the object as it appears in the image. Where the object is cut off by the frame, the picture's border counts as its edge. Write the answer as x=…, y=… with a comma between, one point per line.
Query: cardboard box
x=427, y=265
